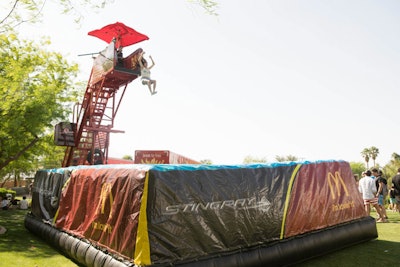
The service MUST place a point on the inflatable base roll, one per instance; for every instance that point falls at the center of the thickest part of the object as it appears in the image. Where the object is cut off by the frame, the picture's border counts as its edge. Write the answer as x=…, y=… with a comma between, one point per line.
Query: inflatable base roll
x=297, y=249
x=77, y=249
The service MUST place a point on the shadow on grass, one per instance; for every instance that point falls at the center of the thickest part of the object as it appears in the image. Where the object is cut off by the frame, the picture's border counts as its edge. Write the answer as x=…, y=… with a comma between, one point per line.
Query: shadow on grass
x=19, y=239
x=371, y=253
x=383, y=251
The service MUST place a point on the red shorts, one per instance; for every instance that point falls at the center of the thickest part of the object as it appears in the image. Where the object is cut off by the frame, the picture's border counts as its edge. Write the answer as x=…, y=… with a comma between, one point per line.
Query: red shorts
x=372, y=201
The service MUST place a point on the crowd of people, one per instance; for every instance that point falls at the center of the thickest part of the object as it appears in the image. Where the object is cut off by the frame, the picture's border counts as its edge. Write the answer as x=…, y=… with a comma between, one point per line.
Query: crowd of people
x=374, y=189
x=8, y=202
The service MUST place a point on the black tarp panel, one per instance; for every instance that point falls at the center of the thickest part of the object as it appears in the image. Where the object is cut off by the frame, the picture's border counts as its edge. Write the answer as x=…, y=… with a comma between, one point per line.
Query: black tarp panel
x=199, y=212
x=46, y=192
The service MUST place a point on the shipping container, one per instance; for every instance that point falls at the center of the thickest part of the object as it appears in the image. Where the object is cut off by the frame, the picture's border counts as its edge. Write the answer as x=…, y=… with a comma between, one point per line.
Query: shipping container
x=161, y=157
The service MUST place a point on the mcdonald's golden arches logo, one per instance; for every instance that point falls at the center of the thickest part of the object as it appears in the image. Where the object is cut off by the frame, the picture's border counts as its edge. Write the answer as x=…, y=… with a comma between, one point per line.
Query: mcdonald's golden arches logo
x=336, y=184
x=105, y=195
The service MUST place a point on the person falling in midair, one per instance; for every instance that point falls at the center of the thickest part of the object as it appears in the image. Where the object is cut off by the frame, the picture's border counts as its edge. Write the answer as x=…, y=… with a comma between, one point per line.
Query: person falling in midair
x=145, y=73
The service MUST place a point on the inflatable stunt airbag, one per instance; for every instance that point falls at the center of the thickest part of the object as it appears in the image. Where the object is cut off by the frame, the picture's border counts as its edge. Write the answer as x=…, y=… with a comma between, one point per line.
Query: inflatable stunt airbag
x=203, y=215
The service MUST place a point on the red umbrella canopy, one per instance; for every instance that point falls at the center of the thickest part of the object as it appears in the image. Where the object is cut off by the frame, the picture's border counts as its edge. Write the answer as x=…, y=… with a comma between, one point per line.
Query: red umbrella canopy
x=124, y=35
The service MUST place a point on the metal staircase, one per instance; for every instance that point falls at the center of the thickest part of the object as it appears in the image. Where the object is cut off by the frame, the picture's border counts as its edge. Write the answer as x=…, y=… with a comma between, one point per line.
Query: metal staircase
x=94, y=117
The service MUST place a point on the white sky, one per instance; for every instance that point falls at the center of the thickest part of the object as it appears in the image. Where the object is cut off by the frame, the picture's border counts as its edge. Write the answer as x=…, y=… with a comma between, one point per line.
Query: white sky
x=317, y=79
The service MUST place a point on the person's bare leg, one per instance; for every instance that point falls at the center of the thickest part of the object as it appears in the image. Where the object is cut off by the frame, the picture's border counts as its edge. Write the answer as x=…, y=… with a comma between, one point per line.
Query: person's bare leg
x=149, y=85
x=383, y=209
x=367, y=209
x=153, y=91
x=379, y=211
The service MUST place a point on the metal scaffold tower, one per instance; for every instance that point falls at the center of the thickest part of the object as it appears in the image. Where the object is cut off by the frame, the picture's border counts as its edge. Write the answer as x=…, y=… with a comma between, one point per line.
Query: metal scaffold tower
x=87, y=137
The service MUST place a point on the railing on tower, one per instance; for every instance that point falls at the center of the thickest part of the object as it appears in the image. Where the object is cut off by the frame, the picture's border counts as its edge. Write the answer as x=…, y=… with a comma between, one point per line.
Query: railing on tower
x=87, y=137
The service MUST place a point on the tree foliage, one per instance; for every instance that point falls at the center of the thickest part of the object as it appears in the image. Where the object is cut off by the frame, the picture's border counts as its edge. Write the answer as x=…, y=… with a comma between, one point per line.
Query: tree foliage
x=365, y=155
x=374, y=152
x=370, y=153
x=392, y=167
x=128, y=157
x=286, y=158
x=209, y=6
x=251, y=159
x=16, y=12
x=357, y=168
x=206, y=161
x=37, y=89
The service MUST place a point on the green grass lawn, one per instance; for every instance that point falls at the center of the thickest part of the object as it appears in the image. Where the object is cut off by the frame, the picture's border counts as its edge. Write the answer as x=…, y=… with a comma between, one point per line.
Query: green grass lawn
x=19, y=247
x=383, y=251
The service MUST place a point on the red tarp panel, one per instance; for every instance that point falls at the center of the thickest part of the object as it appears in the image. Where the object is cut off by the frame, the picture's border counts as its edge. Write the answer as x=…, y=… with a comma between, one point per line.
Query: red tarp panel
x=322, y=195
x=102, y=205
x=119, y=161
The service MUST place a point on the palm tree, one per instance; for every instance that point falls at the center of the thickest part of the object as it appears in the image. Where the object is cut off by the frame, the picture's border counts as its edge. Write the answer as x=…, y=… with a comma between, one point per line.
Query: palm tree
x=365, y=154
x=373, y=153
x=291, y=158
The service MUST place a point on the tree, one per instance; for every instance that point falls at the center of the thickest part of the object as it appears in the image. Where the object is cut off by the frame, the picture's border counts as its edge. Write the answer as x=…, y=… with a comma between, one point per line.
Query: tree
x=395, y=158
x=286, y=158
x=357, y=168
x=16, y=12
x=37, y=91
x=50, y=155
x=206, y=161
x=370, y=153
x=392, y=167
x=365, y=154
x=250, y=159
x=26, y=11
x=373, y=153
x=127, y=157
x=209, y=6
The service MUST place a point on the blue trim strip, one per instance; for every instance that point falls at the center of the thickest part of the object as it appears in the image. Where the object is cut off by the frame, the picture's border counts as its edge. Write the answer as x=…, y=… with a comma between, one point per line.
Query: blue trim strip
x=187, y=167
